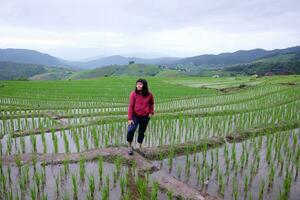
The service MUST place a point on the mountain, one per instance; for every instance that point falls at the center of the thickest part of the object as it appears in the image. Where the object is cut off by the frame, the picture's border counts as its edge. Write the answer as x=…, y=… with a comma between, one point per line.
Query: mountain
x=24, y=71
x=118, y=70
x=28, y=56
x=120, y=60
x=276, y=63
x=226, y=59
x=11, y=70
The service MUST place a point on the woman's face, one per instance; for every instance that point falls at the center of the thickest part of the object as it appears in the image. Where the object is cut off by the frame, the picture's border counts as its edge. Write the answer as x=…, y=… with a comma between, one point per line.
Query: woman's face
x=139, y=86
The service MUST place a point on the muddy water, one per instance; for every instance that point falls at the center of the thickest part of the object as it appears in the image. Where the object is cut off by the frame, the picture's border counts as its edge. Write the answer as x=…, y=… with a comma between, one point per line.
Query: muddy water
x=211, y=183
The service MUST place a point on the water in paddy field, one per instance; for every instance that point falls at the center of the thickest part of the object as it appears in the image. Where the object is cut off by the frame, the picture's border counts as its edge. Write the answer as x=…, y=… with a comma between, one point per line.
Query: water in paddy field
x=58, y=184
x=210, y=182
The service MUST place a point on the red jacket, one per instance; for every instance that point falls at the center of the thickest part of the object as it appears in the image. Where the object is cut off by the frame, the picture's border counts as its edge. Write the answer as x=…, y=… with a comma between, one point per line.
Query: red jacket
x=140, y=105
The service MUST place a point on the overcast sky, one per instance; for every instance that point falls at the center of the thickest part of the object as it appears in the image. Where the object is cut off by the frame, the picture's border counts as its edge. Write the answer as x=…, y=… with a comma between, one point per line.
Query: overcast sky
x=77, y=29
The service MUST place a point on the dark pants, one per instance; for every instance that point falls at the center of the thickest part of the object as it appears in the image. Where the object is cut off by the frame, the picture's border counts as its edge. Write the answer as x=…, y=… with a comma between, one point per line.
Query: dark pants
x=142, y=122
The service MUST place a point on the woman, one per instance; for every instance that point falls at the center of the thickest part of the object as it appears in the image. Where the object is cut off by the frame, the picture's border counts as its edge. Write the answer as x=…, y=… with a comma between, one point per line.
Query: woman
x=140, y=109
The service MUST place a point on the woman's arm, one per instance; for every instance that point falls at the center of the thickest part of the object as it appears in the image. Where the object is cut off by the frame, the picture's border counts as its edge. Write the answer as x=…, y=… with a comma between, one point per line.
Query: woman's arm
x=151, y=105
x=131, y=105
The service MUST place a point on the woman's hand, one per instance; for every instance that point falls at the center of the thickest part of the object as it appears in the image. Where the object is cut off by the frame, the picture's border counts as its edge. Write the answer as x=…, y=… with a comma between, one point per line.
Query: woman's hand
x=130, y=122
x=150, y=115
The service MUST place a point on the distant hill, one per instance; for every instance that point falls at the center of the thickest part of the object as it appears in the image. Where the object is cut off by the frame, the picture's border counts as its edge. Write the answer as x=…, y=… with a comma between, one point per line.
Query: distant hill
x=24, y=71
x=118, y=70
x=276, y=63
x=11, y=70
x=227, y=59
x=16, y=63
x=120, y=60
x=28, y=56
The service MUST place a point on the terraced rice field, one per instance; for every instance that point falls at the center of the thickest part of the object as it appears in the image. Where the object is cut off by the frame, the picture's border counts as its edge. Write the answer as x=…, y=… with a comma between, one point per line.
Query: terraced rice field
x=210, y=138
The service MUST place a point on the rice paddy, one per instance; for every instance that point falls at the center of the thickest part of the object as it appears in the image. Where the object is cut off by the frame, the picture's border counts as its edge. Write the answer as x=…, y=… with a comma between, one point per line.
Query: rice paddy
x=225, y=138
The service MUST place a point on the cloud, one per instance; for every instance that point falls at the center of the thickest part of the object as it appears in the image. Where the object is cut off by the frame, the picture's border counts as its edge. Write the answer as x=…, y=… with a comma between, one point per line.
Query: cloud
x=178, y=27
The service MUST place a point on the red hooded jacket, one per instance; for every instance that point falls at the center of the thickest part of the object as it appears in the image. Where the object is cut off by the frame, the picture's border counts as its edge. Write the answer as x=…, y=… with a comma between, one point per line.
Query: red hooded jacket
x=140, y=105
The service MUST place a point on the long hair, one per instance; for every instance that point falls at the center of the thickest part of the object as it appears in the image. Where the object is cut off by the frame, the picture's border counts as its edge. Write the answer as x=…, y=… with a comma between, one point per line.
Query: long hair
x=145, y=90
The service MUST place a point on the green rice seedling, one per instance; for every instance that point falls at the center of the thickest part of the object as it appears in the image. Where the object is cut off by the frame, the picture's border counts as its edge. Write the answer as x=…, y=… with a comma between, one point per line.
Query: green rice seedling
x=85, y=141
x=26, y=173
x=133, y=166
x=44, y=142
x=3, y=183
x=105, y=193
x=1, y=167
x=95, y=137
x=107, y=182
x=269, y=154
x=169, y=195
x=161, y=155
x=127, y=196
x=16, y=195
x=82, y=168
x=9, y=174
x=188, y=168
x=286, y=186
x=212, y=159
x=235, y=188
x=66, y=142
x=118, y=164
x=233, y=154
x=100, y=168
x=281, y=163
x=22, y=144
x=34, y=161
x=76, y=141
x=66, y=195
x=115, y=177
x=154, y=192
x=295, y=141
x=43, y=174
x=55, y=143
x=37, y=179
x=271, y=175
x=122, y=182
x=179, y=169
x=170, y=160
x=18, y=161
x=66, y=165
x=297, y=168
x=74, y=187
x=57, y=186
x=250, y=196
x=33, y=142
x=261, y=190
x=246, y=183
x=221, y=184
x=44, y=197
x=106, y=139
x=142, y=188
x=9, y=145
x=33, y=193
x=91, y=187
x=22, y=183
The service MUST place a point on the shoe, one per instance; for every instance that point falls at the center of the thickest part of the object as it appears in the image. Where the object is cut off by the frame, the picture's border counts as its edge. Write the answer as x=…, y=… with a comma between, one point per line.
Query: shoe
x=130, y=151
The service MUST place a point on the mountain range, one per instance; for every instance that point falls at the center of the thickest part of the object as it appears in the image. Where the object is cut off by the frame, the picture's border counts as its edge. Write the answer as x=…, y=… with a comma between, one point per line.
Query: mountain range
x=58, y=68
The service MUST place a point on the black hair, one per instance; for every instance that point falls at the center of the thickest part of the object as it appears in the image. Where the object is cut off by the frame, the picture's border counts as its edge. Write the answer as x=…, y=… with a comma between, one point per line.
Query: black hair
x=145, y=90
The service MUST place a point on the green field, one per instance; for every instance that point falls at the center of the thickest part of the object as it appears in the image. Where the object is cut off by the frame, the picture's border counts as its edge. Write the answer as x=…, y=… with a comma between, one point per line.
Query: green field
x=229, y=137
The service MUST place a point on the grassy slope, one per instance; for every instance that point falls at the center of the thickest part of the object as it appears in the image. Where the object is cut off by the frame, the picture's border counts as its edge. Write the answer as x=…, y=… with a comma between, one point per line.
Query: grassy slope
x=118, y=88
